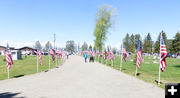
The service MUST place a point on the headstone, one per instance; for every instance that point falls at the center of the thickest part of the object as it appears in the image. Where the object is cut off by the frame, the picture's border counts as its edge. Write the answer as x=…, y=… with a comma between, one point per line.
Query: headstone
x=178, y=57
x=154, y=62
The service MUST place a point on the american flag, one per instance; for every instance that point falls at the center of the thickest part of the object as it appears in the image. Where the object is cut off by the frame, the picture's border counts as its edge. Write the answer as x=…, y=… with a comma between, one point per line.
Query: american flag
x=52, y=54
x=58, y=53
x=104, y=54
x=93, y=53
x=38, y=52
x=124, y=53
x=108, y=54
x=8, y=57
x=111, y=55
x=163, y=55
x=139, y=55
x=98, y=53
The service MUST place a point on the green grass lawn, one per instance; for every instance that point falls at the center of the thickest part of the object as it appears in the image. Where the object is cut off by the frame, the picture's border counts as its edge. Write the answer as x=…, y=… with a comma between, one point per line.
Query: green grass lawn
x=148, y=70
x=28, y=65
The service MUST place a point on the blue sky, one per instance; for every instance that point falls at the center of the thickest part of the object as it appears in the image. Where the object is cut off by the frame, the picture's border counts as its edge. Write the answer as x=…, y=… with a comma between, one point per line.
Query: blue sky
x=25, y=21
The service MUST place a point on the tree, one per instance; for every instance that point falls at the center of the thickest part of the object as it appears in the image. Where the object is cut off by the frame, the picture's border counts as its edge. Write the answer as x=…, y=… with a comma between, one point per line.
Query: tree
x=137, y=38
x=157, y=44
x=104, y=20
x=38, y=45
x=126, y=42
x=132, y=43
x=84, y=46
x=48, y=46
x=147, y=46
x=176, y=43
x=114, y=50
x=70, y=46
x=170, y=45
x=90, y=47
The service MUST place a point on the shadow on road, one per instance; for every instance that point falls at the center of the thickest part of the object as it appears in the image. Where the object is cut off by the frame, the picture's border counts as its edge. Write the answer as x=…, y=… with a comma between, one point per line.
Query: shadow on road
x=9, y=95
x=18, y=76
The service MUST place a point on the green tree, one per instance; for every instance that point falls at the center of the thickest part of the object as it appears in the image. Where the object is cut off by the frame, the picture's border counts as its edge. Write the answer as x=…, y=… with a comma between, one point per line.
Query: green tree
x=104, y=20
x=157, y=44
x=48, y=46
x=84, y=46
x=147, y=46
x=132, y=43
x=126, y=43
x=137, y=37
x=176, y=43
x=38, y=45
x=114, y=50
x=90, y=47
x=170, y=45
x=70, y=46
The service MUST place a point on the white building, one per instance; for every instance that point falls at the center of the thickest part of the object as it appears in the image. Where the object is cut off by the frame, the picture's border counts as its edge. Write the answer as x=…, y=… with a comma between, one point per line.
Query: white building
x=16, y=54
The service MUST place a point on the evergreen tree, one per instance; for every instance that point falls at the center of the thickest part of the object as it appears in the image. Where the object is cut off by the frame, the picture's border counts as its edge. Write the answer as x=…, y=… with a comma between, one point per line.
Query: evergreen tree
x=90, y=47
x=176, y=43
x=137, y=37
x=132, y=43
x=70, y=46
x=48, y=46
x=127, y=43
x=170, y=46
x=84, y=46
x=157, y=44
x=38, y=45
x=147, y=46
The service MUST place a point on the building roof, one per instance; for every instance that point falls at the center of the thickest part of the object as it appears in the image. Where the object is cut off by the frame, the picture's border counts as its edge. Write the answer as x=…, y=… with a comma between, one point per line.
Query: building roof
x=26, y=47
x=12, y=48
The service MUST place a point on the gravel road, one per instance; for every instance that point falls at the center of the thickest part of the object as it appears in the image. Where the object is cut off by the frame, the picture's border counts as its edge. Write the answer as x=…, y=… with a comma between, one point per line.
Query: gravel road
x=77, y=79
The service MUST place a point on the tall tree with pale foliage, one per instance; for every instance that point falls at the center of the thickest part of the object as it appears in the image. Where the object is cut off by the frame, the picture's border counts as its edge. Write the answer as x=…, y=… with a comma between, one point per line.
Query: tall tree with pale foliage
x=104, y=20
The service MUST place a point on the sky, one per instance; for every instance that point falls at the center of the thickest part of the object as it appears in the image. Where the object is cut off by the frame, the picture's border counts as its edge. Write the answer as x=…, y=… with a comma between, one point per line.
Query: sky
x=23, y=22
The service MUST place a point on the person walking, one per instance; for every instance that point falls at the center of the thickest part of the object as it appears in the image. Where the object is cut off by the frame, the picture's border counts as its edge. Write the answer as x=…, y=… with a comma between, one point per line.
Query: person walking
x=85, y=56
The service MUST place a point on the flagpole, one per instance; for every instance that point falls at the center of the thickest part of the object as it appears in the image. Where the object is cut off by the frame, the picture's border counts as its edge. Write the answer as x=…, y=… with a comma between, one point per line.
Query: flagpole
x=49, y=57
x=56, y=60
x=61, y=60
x=8, y=73
x=136, y=71
x=49, y=61
x=160, y=61
x=37, y=62
x=112, y=63
x=121, y=59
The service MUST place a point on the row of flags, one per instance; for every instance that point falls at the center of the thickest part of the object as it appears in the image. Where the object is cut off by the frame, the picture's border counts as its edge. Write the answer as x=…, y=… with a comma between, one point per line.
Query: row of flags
x=163, y=54
x=38, y=52
x=9, y=60
x=60, y=54
x=110, y=55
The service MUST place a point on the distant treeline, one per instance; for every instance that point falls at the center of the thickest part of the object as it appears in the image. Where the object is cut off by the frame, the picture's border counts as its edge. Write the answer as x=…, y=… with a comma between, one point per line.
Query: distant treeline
x=149, y=46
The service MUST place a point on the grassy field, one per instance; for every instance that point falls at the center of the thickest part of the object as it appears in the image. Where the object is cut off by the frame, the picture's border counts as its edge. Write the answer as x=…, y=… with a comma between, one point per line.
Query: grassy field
x=148, y=70
x=26, y=66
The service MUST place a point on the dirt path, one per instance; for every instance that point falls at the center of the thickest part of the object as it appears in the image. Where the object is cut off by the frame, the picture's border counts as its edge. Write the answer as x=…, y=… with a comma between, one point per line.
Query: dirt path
x=76, y=79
